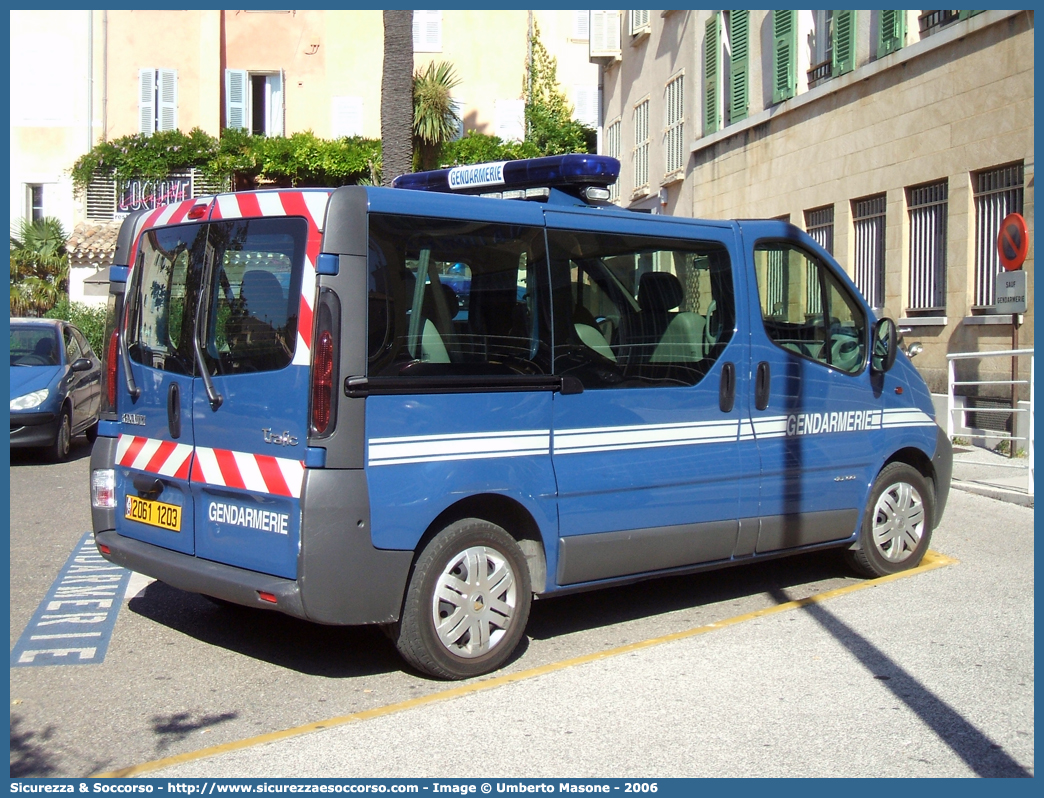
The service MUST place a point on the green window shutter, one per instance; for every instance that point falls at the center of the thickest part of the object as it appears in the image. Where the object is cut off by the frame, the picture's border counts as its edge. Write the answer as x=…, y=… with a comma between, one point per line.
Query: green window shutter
x=711, y=69
x=739, y=65
x=844, y=42
x=784, y=55
x=891, y=33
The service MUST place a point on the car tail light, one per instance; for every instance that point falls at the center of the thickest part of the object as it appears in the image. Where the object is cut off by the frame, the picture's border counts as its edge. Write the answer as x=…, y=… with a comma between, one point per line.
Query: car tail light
x=324, y=363
x=111, y=360
x=322, y=382
x=103, y=488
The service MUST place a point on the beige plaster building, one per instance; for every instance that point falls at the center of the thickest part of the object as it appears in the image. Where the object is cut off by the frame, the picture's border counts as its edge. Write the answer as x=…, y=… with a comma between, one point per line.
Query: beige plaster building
x=898, y=139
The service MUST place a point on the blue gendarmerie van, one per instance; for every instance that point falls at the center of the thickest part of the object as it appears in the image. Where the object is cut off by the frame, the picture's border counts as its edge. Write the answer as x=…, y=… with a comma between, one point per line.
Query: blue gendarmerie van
x=309, y=409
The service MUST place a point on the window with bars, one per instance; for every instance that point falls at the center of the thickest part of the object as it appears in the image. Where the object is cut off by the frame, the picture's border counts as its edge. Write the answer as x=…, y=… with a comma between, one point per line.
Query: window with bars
x=641, y=145
x=868, y=221
x=998, y=192
x=819, y=222
x=612, y=149
x=675, y=134
x=927, y=206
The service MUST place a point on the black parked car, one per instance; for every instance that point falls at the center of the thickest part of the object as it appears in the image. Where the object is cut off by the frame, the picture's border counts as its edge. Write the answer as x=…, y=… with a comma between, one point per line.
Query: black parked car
x=55, y=385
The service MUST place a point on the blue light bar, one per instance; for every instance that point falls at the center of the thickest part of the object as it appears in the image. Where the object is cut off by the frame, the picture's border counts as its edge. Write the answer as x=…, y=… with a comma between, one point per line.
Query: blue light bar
x=555, y=171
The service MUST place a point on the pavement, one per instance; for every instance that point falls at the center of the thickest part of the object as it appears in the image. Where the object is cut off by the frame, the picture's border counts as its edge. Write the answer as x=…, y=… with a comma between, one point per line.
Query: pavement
x=931, y=675
x=983, y=471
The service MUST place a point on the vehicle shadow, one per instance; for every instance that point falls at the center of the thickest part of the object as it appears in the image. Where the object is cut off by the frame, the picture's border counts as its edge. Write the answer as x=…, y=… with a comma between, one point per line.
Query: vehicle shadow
x=335, y=652
x=346, y=652
x=79, y=450
x=660, y=596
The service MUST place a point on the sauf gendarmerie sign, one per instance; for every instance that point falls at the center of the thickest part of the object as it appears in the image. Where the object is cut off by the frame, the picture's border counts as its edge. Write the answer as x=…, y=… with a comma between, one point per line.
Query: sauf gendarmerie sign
x=1010, y=296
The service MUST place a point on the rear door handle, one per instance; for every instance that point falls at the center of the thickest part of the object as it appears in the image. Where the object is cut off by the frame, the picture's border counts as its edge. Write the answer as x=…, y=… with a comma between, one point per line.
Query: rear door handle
x=761, y=386
x=727, y=389
x=174, y=410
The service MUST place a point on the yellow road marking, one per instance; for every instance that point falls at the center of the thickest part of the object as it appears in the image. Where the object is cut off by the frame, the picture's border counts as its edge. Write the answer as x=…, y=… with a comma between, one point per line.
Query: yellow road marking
x=931, y=561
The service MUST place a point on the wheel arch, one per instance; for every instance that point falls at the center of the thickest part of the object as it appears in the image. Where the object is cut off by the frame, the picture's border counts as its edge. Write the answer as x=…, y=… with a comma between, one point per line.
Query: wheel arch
x=916, y=459
x=506, y=513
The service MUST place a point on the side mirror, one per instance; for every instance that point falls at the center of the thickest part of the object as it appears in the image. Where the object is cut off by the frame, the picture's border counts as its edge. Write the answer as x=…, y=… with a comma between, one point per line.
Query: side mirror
x=81, y=364
x=884, y=346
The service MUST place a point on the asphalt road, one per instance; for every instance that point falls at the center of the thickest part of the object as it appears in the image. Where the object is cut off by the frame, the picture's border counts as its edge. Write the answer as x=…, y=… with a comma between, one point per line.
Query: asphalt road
x=931, y=675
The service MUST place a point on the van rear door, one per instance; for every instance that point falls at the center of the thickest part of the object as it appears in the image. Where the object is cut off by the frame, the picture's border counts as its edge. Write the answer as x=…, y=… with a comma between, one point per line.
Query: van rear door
x=251, y=426
x=154, y=449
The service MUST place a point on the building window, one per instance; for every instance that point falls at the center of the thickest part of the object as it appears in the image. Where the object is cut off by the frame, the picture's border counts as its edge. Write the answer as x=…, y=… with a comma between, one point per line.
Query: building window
x=639, y=22
x=254, y=102
x=641, y=145
x=586, y=104
x=819, y=222
x=821, y=45
x=427, y=31
x=157, y=100
x=612, y=149
x=868, y=219
x=928, y=207
x=675, y=133
x=34, y=208
x=998, y=192
x=510, y=119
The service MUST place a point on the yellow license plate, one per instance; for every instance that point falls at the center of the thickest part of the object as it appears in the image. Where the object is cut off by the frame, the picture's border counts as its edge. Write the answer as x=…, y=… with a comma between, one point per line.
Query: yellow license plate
x=144, y=511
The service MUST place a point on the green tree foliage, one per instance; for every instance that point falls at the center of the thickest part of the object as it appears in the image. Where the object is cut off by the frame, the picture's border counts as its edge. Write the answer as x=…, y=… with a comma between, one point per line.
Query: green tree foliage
x=90, y=319
x=550, y=126
x=39, y=266
x=435, y=120
x=302, y=159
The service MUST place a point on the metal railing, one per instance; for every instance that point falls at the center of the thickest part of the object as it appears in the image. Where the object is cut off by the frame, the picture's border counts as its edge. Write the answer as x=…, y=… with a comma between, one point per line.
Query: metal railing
x=951, y=404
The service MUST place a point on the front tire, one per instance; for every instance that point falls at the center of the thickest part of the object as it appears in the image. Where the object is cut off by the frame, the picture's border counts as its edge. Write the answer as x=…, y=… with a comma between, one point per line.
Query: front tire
x=897, y=524
x=467, y=603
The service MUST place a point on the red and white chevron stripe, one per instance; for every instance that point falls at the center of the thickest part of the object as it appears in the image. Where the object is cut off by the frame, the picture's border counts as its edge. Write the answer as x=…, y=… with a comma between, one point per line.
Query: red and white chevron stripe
x=165, y=458
x=259, y=473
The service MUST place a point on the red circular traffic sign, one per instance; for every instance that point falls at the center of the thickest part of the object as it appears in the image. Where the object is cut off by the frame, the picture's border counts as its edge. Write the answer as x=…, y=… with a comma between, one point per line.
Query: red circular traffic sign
x=1013, y=242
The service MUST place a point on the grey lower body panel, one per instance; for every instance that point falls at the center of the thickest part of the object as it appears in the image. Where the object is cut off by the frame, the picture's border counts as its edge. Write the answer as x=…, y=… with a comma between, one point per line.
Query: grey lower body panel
x=792, y=531
x=942, y=462
x=342, y=578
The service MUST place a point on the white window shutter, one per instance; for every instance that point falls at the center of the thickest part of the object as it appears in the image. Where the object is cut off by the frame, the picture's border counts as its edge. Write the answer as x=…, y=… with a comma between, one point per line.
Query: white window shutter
x=167, y=99
x=510, y=118
x=586, y=108
x=612, y=32
x=427, y=31
x=605, y=34
x=581, y=21
x=237, y=85
x=274, y=95
x=147, y=101
x=347, y=117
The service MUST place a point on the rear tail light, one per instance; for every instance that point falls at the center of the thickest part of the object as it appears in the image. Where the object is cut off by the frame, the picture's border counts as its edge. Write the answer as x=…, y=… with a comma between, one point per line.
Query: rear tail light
x=111, y=359
x=322, y=382
x=103, y=488
x=325, y=363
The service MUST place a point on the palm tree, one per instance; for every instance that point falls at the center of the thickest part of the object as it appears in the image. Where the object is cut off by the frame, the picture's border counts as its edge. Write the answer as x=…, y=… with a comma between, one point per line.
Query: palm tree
x=397, y=96
x=39, y=266
x=435, y=118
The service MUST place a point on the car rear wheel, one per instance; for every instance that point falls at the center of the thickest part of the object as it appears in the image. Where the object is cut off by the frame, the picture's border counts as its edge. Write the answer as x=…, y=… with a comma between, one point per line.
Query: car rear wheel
x=62, y=438
x=92, y=432
x=897, y=524
x=467, y=603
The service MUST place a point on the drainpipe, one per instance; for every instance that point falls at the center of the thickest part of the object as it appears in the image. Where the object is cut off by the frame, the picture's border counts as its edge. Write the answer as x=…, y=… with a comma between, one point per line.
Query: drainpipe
x=90, y=80
x=105, y=76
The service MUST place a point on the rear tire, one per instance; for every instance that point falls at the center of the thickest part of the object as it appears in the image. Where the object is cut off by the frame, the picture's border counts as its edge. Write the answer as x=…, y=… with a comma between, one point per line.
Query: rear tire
x=62, y=438
x=467, y=603
x=897, y=524
x=91, y=432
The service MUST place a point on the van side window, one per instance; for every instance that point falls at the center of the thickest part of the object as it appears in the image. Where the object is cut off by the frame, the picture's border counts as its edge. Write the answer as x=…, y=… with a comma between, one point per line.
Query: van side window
x=451, y=298
x=634, y=312
x=254, y=294
x=806, y=310
x=162, y=314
